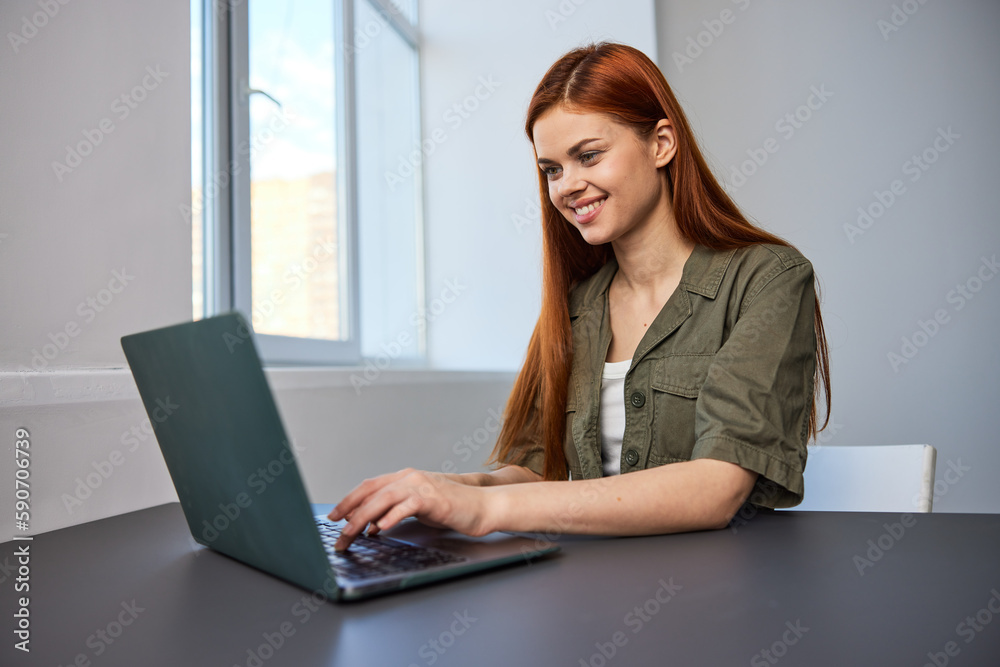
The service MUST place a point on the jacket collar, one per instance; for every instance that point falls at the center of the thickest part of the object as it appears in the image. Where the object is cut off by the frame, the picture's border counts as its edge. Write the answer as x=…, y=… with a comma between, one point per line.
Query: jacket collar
x=702, y=274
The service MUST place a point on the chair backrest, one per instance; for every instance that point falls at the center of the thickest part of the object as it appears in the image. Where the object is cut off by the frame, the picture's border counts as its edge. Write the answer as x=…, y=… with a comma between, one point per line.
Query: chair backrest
x=875, y=478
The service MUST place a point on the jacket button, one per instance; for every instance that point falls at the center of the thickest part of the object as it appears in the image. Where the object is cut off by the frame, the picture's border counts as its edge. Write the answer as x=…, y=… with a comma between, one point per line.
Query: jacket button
x=638, y=399
x=631, y=456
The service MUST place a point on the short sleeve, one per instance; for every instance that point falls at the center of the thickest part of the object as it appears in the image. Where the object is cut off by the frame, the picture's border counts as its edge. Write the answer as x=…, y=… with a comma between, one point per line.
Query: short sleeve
x=753, y=409
x=535, y=461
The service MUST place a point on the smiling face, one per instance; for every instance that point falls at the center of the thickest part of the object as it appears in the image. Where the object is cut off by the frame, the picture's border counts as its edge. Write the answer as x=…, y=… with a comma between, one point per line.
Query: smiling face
x=603, y=177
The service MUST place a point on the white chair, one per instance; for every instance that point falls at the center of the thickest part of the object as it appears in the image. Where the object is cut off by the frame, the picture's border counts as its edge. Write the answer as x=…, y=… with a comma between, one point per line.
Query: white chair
x=877, y=478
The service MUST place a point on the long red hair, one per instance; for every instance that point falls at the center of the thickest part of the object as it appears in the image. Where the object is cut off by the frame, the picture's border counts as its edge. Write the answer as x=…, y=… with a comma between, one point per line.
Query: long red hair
x=623, y=82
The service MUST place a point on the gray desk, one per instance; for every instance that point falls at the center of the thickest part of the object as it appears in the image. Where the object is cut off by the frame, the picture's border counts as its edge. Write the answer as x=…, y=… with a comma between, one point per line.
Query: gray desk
x=785, y=583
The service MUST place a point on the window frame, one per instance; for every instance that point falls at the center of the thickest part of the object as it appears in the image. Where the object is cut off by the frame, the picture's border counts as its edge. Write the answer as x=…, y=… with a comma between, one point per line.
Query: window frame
x=226, y=215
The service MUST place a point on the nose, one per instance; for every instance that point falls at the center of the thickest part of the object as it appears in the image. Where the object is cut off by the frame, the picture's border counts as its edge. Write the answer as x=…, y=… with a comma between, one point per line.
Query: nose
x=571, y=182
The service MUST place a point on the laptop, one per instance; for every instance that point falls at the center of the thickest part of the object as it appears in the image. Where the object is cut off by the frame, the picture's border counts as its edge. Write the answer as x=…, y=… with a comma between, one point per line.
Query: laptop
x=217, y=424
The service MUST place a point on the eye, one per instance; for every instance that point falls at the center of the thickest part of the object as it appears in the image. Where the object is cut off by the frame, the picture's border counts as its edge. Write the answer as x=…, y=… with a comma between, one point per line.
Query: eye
x=551, y=171
x=589, y=156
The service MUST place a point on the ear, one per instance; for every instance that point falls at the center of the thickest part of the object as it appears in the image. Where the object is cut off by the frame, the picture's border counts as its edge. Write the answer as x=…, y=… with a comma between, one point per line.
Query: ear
x=665, y=143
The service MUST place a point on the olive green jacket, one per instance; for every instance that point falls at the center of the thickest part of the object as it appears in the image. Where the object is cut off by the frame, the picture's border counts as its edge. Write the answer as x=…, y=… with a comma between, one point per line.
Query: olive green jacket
x=725, y=371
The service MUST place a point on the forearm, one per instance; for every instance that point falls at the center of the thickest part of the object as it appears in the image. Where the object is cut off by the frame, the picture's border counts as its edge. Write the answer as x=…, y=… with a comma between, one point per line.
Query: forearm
x=694, y=495
x=509, y=474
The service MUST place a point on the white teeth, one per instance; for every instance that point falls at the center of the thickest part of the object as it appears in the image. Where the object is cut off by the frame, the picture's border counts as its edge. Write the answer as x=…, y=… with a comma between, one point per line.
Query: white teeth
x=588, y=208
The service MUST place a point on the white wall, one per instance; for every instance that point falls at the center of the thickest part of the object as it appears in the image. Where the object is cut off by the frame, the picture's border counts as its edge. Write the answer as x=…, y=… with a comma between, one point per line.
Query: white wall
x=482, y=176
x=96, y=248
x=890, y=94
x=69, y=232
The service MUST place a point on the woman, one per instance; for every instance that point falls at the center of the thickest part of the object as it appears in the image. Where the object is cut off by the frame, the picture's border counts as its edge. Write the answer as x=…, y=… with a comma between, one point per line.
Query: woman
x=677, y=342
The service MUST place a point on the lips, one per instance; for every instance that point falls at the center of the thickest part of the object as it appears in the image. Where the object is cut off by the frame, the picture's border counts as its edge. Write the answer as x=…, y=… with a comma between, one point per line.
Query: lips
x=582, y=206
x=587, y=209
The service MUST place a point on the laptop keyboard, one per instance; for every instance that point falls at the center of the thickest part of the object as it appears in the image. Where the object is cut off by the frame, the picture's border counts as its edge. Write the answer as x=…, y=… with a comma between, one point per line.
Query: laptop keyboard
x=377, y=555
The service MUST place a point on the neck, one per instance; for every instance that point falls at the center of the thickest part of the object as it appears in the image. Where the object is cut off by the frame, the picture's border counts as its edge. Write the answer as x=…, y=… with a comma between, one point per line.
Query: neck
x=653, y=253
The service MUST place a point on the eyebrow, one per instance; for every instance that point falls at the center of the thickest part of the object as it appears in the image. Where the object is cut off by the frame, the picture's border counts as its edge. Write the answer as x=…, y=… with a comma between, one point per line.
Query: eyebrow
x=573, y=150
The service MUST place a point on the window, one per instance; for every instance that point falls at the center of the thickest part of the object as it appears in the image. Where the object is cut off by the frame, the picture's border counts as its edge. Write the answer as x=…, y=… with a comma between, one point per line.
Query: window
x=306, y=215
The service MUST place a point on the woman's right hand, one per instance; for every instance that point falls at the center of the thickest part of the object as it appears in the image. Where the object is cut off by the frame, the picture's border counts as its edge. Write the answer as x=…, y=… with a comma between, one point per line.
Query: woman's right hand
x=347, y=507
x=376, y=484
x=432, y=498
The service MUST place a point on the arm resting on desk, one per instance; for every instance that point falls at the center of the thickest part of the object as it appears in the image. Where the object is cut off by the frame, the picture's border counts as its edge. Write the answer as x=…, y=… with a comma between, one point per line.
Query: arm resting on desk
x=691, y=495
